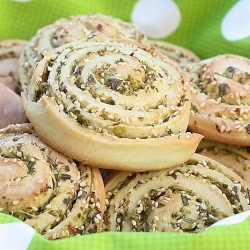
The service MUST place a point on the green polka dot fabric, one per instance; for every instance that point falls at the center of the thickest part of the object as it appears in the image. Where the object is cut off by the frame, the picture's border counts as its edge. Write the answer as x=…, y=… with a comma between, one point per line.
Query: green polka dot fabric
x=208, y=28
x=230, y=234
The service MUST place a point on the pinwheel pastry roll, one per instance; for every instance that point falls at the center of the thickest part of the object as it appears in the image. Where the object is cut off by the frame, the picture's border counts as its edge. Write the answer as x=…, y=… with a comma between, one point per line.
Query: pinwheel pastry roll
x=220, y=99
x=112, y=104
x=11, y=111
x=181, y=55
x=57, y=196
x=186, y=198
x=237, y=158
x=64, y=30
x=10, y=51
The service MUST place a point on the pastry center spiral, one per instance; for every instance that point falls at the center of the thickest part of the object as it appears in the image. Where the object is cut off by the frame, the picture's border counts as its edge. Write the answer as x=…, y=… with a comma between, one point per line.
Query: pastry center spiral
x=115, y=87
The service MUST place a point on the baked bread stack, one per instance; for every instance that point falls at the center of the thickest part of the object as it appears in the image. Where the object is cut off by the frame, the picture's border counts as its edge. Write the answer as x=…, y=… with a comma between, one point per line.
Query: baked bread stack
x=102, y=98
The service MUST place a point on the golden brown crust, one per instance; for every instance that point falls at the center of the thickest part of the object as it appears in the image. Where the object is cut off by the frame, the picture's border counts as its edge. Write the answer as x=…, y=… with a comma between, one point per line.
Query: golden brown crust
x=11, y=111
x=220, y=99
x=110, y=122
x=54, y=194
x=65, y=30
x=186, y=198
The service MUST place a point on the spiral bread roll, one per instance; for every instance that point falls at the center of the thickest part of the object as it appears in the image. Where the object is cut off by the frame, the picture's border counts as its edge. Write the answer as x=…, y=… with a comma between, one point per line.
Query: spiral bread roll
x=181, y=55
x=11, y=110
x=186, y=198
x=10, y=51
x=220, y=99
x=64, y=30
x=237, y=158
x=54, y=194
x=112, y=104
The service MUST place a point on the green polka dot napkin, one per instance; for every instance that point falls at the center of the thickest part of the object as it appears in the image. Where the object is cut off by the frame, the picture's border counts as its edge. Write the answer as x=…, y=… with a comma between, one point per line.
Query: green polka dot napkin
x=206, y=27
x=231, y=235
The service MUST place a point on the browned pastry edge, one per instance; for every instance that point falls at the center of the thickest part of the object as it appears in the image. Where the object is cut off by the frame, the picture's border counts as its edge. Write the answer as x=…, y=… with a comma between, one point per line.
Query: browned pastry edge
x=107, y=152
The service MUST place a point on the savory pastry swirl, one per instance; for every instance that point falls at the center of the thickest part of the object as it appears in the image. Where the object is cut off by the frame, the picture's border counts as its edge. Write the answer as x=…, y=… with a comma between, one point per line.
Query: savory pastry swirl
x=237, y=158
x=65, y=30
x=10, y=51
x=181, y=55
x=113, y=104
x=56, y=195
x=220, y=99
x=186, y=198
x=11, y=111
